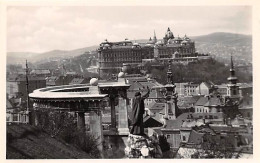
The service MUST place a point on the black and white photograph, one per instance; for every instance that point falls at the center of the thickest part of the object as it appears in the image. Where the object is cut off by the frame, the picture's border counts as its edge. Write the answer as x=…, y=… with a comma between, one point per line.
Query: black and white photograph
x=129, y=81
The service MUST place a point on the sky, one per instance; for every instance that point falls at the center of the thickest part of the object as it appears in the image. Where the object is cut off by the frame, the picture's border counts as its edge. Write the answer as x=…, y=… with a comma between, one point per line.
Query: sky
x=46, y=28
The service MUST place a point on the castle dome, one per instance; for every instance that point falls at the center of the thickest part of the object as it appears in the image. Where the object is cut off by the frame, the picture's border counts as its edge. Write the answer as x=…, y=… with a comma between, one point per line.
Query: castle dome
x=169, y=33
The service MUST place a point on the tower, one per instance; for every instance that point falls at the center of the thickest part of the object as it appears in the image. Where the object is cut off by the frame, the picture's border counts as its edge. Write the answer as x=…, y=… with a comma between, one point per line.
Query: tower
x=232, y=86
x=171, y=96
x=154, y=37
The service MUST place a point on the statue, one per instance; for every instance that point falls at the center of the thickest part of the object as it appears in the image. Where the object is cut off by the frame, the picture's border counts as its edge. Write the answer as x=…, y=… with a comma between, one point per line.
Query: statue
x=137, y=113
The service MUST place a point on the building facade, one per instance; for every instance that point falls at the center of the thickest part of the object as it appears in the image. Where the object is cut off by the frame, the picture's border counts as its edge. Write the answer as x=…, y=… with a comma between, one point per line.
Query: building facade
x=16, y=85
x=112, y=55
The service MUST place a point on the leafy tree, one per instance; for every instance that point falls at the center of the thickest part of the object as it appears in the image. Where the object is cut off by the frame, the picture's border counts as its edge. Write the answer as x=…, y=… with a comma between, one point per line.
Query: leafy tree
x=202, y=70
x=215, y=147
x=62, y=125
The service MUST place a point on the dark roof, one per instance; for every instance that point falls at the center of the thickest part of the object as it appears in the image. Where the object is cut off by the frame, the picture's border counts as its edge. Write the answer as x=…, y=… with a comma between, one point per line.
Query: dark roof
x=18, y=78
x=195, y=137
x=245, y=85
x=176, y=124
x=40, y=71
x=157, y=107
x=9, y=105
x=51, y=80
x=225, y=128
x=188, y=101
x=202, y=101
x=151, y=122
x=135, y=86
x=213, y=101
x=78, y=81
x=208, y=83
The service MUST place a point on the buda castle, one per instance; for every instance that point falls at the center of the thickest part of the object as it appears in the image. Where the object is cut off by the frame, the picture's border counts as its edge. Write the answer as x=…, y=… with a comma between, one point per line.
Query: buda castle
x=112, y=55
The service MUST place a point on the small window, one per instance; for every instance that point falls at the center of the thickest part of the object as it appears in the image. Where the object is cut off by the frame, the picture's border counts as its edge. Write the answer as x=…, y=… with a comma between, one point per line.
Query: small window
x=184, y=138
x=168, y=136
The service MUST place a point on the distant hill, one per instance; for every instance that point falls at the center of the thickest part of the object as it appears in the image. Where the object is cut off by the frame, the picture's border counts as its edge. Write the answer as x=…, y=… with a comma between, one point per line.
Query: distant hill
x=18, y=57
x=218, y=44
x=222, y=45
x=230, y=39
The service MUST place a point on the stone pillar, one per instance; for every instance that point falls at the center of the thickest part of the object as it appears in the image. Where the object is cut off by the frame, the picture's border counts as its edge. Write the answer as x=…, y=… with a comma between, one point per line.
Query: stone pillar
x=122, y=117
x=96, y=128
x=36, y=118
x=81, y=121
x=113, y=112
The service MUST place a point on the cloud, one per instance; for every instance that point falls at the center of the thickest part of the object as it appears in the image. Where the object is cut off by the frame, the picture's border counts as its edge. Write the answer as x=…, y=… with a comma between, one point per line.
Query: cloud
x=39, y=29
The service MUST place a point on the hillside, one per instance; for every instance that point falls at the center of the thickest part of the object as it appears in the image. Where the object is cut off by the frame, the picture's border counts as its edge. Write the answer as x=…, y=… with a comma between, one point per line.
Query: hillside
x=230, y=39
x=220, y=45
x=27, y=142
x=20, y=57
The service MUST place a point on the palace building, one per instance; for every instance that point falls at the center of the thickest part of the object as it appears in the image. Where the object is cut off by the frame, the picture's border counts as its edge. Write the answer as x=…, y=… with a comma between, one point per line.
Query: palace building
x=112, y=55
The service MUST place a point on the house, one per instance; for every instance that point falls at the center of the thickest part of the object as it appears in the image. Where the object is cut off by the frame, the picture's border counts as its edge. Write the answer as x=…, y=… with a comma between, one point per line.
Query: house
x=186, y=89
x=141, y=85
x=41, y=72
x=245, y=89
x=79, y=81
x=60, y=80
x=246, y=107
x=215, y=138
x=16, y=85
x=187, y=103
x=199, y=105
x=205, y=88
x=190, y=89
x=180, y=88
x=150, y=121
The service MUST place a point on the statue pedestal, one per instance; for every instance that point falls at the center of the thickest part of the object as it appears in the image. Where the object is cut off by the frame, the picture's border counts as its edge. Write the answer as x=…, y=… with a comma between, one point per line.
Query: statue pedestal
x=122, y=117
x=141, y=147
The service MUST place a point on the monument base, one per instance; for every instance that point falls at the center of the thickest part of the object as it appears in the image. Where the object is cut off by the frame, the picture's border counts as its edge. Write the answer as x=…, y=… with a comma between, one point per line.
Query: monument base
x=142, y=147
x=123, y=131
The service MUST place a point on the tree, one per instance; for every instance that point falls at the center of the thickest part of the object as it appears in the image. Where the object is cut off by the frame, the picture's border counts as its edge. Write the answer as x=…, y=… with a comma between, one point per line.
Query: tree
x=62, y=125
x=214, y=146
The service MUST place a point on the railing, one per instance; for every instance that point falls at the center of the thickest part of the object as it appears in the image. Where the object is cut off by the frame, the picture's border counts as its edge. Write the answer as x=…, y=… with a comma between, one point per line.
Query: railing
x=20, y=117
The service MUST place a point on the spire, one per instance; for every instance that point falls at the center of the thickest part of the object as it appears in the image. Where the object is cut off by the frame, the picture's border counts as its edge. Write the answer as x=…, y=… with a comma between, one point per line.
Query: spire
x=154, y=37
x=168, y=29
x=27, y=85
x=169, y=74
x=232, y=78
x=231, y=64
